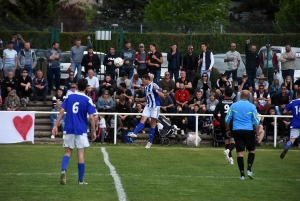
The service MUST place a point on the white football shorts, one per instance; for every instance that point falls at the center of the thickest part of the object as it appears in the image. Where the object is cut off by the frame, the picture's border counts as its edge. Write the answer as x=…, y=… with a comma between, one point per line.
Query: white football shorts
x=152, y=112
x=80, y=141
x=294, y=133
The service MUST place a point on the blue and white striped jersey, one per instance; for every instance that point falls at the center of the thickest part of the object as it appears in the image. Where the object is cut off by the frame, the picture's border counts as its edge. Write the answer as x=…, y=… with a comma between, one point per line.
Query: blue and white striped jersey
x=294, y=106
x=151, y=95
x=77, y=105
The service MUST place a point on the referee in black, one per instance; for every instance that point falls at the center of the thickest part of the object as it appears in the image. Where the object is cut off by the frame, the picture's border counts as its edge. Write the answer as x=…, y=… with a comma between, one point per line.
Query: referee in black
x=244, y=116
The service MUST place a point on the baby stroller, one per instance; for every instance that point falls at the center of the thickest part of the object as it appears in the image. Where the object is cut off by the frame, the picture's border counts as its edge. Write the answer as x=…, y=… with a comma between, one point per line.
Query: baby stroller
x=165, y=131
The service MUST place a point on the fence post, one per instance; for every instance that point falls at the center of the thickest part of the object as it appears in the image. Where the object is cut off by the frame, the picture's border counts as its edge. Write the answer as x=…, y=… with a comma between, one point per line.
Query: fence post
x=191, y=37
x=115, y=128
x=275, y=131
x=197, y=117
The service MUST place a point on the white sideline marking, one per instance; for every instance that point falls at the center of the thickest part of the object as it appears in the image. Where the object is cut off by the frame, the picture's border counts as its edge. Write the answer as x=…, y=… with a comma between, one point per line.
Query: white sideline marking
x=152, y=175
x=114, y=174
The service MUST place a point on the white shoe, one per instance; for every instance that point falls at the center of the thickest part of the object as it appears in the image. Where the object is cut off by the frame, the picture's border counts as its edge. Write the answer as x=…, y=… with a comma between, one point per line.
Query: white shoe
x=52, y=137
x=226, y=153
x=231, y=161
x=182, y=132
x=148, y=145
x=64, y=135
x=132, y=135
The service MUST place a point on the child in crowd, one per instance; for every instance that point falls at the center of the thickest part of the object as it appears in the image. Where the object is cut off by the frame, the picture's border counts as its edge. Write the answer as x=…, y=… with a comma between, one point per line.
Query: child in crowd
x=53, y=118
x=207, y=126
x=90, y=93
x=102, y=128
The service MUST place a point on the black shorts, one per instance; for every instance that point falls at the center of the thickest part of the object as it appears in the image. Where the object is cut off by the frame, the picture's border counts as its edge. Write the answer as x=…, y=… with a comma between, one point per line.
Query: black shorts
x=244, y=139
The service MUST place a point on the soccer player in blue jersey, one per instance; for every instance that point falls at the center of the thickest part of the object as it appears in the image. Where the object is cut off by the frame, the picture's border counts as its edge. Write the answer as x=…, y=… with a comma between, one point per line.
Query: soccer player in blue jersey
x=77, y=106
x=293, y=108
x=151, y=110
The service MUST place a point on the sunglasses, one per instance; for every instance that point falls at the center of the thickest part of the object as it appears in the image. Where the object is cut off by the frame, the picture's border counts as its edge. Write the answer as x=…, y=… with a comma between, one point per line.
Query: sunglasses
x=73, y=87
x=204, y=76
x=141, y=47
x=25, y=72
x=167, y=74
x=71, y=74
x=105, y=94
x=283, y=89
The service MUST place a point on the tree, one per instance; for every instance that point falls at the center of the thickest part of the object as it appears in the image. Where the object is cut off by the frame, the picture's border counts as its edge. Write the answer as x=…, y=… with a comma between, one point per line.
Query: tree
x=123, y=13
x=287, y=19
x=182, y=14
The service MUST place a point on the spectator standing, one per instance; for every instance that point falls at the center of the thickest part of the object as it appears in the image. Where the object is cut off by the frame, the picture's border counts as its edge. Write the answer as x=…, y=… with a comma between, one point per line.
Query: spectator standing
x=91, y=61
x=8, y=84
x=76, y=55
x=154, y=63
x=175, y=62
x=243, y=115
x=18, y=42
x=167, y=85
x=39, y=86
x=128, y=54
x=53, y=68
x=101, y=129
x=141, y=59
x=268, y=62
x=252, y=61
x=24, y=85
x=204, y=85
x=233, y=59
x=182, y=97
x=70, y=80
x=244, y=84
x=12, y=102
x=105, y=102
x=108, y=85
x=206, y=60
x=288, y=62
x=93, y=81
x=10, y=59
x=190, y=63
x=27, y=59
x=109, y=64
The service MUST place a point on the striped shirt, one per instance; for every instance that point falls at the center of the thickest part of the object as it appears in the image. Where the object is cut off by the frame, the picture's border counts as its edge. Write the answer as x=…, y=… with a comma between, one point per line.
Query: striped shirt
x=244, y=115
x=10, y=56
x=151, y=95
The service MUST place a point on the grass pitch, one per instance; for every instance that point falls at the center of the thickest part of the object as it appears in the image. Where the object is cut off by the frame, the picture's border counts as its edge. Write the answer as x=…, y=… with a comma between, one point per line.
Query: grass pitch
x=31, y=172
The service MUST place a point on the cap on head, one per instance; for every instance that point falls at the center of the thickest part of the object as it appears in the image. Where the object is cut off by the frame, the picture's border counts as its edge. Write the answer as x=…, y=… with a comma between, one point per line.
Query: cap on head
x=190, y=47
x=245, y=75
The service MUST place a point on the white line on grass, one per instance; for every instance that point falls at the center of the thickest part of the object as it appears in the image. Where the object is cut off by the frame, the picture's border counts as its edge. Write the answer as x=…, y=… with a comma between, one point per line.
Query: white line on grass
x=152, y=175
x=114, y=174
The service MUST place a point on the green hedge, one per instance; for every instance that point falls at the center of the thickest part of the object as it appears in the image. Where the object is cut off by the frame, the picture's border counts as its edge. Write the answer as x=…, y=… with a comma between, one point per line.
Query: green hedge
x=218, y=43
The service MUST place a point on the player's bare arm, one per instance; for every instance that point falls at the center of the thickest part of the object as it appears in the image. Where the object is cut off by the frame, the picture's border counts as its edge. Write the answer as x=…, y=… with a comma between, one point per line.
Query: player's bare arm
x=59, y=117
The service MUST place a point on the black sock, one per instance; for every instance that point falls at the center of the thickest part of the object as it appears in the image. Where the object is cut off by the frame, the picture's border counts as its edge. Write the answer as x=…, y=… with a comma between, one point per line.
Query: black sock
x=251, y=157
x=226, y=146
x=231, y=147
x=240, y=161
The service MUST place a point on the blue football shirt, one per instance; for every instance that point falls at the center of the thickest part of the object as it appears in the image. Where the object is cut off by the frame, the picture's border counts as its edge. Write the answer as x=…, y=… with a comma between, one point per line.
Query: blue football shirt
x=294, y=106
x=77, y=106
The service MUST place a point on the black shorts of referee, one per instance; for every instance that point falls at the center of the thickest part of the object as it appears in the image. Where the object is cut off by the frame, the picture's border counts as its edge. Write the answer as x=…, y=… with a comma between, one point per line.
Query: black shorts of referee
x=244, y=139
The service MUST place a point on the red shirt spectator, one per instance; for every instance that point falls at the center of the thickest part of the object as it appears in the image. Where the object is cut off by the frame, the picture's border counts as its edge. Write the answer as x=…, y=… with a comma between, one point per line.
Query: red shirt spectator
x=182, y=96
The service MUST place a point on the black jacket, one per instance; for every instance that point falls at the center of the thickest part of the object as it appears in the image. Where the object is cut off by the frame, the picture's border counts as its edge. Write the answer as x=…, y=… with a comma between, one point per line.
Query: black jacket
x=252, y=59
x=177, y=56
x=190, y=66
x=95, y=62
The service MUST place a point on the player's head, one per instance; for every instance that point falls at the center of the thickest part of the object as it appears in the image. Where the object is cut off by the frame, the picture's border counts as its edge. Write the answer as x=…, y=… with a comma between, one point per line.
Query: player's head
x=81, y=84
x=228, y=92
x=146, y=79
x=298, y=93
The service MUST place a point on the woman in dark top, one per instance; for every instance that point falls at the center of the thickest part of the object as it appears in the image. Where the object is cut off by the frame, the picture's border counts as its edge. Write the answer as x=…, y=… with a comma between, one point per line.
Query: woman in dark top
x=204, y=85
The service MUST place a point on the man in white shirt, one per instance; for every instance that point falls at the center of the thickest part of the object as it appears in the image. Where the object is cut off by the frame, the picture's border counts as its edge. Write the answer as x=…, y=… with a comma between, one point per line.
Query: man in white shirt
x=10, y=59
x=93, y=81
x=206, y=61
x=233, y=59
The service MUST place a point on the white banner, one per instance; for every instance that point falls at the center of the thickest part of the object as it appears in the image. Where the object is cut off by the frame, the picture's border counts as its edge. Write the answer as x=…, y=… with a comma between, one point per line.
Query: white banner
x=16, y=126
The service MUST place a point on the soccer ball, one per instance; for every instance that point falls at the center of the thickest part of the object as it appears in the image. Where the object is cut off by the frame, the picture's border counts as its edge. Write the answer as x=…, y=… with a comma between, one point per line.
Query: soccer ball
x=118, y=62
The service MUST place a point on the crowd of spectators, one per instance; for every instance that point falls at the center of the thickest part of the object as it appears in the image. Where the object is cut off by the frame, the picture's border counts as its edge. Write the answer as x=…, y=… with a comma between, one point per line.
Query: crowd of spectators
x=123, y=93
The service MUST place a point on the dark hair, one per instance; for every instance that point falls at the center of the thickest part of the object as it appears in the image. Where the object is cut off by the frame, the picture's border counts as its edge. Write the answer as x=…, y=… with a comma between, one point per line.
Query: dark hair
x=153, y=45
x=127, y=41
x=146, y=76
x=283, y=85
x=228, y=91
x=113, y=47
x=123, y=85
x=109, y=75
x=124, y=74
x=71, y=72
x=10, y=42
x=54, y=43
x=77, y=39
x=81, y=84
x=261, y=86
x=90, y=48
x=204, y=44
x=298, y=92
x=24, y=69
x=60, y=89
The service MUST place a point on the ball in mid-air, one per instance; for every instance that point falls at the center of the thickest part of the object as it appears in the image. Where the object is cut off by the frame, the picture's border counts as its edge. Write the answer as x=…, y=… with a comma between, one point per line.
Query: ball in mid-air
x=118, y=62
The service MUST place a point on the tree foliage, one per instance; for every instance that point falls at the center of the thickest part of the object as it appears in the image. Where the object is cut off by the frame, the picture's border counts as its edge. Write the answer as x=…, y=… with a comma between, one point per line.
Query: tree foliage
x=186, y=12
x=123, y=13
x=287, y=19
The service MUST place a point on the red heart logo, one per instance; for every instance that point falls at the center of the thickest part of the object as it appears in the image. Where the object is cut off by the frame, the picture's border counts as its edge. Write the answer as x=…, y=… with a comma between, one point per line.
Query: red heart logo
x=23, y=125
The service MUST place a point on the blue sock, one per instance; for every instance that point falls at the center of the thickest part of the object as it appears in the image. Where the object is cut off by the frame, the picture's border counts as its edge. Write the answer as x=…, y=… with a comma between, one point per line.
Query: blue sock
x=139, y=127
x=288, y=145
x=64, y=163
x=151, y=134
x=81, y=168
